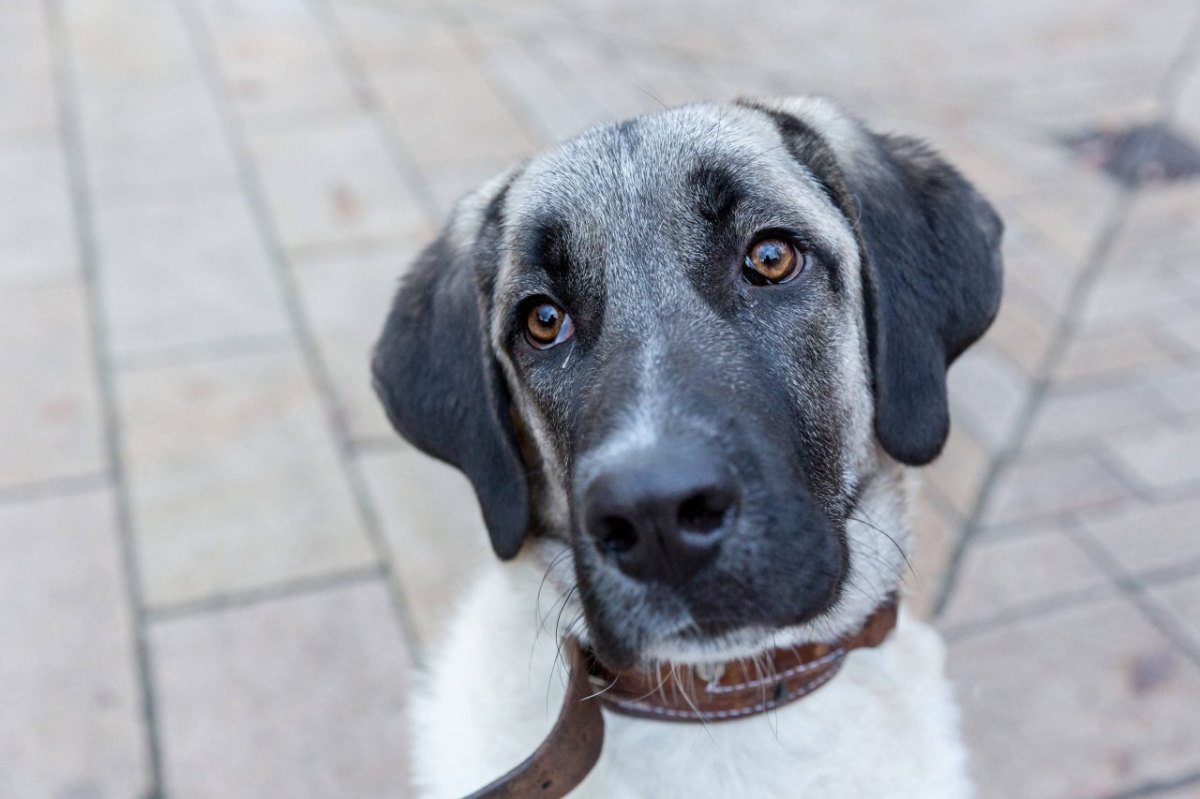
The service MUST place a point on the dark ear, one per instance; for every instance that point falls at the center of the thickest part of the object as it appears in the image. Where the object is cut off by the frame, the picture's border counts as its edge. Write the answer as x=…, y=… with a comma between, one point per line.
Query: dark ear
x=435, y=374
x=932, y=280
x=930, y=261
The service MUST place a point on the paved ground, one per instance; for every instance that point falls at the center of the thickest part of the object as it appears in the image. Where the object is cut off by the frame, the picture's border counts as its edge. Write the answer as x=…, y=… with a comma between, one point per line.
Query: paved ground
x=217, y=565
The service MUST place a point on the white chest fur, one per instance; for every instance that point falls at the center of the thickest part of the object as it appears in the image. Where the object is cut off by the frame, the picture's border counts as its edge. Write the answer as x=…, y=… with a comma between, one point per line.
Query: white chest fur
x=886, y=726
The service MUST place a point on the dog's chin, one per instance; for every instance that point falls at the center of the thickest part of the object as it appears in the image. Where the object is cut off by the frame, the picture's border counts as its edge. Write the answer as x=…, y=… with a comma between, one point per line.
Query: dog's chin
x=685, y=640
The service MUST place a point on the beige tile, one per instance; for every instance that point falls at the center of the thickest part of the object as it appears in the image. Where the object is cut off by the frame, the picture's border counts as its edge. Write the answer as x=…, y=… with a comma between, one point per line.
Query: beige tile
x=1035, y=485
x=334, y=181
x=1160, y=227
x=1089, y=701
x=1071, y=215
x=382, y=37
x=37, y=232
x=1037, y=268
x=1187, y=108
x=1189, y=791
x=1112, y=353
x=276, y=57
x=1137, y=295
x=1182, y=600
x=50, y=418
x=70, y=710
x=449, y=183
x=234, y=479
x=1180, y=325
x=448, y=112
x=127, y=44
x=1000, y=575
x=302, y=696
x=987, y=393
x=1177, y=389
x=346, y=298
x=185, y=270
x=1074, y=413
x=1163, y=460
x=27, y=91
x=959, y=471
x=598, y=69
x=1148, y=536
x=544, y=94
x=143, y=101
x=1022, y=331
x=135, y=137
x=936, y=532
x=433, y=527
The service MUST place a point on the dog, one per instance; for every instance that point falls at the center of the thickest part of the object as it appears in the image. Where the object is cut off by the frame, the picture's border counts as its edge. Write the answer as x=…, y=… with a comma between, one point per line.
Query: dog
x=688, y=362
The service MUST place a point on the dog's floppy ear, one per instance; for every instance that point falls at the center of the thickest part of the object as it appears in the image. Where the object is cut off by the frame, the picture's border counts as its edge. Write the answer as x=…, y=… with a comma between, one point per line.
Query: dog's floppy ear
x=932, y=280
x=931, y=262
x=436, y=376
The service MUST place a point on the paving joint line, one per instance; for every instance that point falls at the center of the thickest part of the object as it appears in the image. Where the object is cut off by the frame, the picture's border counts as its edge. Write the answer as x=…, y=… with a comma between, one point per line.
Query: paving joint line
x=201, y=39
x=1038, y=387
x=53, y=487
x=67, y=100
x=1167, y=97
x=1157, y=787
x=194, y=353
x=461, y=29
x=410, y=170
x=258, y=595
x=1037, y=609
x=1136, y=589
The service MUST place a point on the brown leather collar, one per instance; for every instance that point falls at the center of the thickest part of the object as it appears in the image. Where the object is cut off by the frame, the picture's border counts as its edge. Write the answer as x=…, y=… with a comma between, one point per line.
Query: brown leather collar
x=738, y=688
x=732, y=690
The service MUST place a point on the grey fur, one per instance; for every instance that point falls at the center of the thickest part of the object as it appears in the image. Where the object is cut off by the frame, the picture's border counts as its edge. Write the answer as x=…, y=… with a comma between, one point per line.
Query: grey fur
x=637, y=229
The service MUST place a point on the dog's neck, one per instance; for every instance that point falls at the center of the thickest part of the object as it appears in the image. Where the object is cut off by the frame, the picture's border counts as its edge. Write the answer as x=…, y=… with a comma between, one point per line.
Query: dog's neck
x=737, y=688
x=724, y=692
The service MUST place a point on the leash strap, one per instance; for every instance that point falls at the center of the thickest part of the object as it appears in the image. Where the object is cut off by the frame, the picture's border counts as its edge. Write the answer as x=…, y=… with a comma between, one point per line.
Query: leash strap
x=733, y=690
x=569, y=752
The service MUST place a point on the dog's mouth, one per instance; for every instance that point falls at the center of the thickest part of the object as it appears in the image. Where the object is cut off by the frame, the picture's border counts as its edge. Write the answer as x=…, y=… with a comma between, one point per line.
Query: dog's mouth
x=657, y=623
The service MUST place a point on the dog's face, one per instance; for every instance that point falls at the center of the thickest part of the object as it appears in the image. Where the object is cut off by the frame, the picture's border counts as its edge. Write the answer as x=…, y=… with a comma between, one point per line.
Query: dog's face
x=684, y=346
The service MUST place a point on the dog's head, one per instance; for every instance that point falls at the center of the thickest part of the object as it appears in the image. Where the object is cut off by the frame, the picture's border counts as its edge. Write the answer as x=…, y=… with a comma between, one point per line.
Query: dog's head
x=685, y=346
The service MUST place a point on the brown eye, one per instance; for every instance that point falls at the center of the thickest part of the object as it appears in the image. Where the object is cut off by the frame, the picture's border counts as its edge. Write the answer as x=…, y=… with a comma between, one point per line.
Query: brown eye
x=774, y=261
x=547, y=325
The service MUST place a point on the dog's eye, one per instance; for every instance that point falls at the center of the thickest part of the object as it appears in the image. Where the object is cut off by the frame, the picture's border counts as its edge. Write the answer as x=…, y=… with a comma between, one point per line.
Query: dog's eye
x=547, y=325
x=774, y=260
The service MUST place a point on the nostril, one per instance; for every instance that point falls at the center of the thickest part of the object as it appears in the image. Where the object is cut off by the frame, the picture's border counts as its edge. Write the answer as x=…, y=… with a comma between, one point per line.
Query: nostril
x=617, y=535
x=703, y=512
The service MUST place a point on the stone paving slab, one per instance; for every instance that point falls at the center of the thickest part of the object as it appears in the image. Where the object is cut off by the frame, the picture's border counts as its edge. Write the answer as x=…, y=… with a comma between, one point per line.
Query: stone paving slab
x=333, y=181
x=27, y=103
x=420, y=502
x=1128, y=716
x=1003, y=576
x=346, y=297
x=234, y=479
x=277, y=58
x=184, y=271
x=253, y=177
x=49, y=410
x=299, y=696
x=37, y=234
x=72, y=723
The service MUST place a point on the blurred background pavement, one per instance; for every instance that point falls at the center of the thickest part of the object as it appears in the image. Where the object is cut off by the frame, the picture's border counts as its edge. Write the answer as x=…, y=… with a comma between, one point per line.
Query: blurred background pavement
x=217, y=564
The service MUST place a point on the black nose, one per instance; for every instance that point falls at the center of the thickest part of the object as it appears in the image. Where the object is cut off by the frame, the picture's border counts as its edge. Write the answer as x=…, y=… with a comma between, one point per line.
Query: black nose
x=662, y=517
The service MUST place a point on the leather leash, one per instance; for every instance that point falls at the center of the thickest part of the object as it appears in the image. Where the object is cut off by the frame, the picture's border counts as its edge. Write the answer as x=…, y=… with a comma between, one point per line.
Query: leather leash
x=569, y=752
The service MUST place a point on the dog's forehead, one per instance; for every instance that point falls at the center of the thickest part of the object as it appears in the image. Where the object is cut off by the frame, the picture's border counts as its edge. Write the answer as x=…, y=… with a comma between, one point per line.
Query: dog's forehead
x=619, y=187
x=622, y=169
